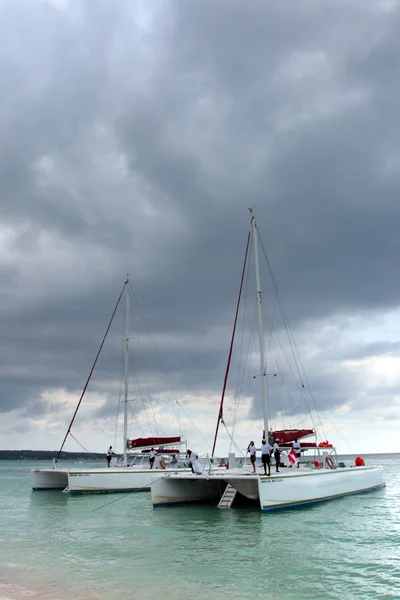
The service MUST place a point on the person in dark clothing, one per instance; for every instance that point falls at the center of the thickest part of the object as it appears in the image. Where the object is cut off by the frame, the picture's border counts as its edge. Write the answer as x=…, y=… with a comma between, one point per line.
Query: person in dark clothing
x=110, y=453
x=277, y=455
x=266, y=450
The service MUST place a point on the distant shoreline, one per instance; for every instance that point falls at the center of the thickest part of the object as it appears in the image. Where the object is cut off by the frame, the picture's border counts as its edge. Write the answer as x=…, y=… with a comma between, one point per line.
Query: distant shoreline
x=48, y=455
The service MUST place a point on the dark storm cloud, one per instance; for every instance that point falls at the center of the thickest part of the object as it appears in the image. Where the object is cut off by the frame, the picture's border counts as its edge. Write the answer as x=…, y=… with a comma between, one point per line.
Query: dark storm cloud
x=133, y=139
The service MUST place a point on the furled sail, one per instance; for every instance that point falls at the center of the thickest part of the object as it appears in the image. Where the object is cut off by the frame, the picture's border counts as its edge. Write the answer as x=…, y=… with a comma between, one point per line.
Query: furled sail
x=286, y=436
x=153, y=441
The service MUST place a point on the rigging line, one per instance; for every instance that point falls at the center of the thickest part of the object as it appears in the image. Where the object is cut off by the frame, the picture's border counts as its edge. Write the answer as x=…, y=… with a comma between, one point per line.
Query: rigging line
x=118, y=411
x=220, y=414
x=279, y=394
x=20, y=484
x=133, y=409
x=280, y=367
x=240, y=370
x=295, y=353
x=207, y=443
x=85, y=449
x=121, y=373
x=241, y=382
x=91, y=371
x=231, y=438
x=156, y=351
x=151, y=403
x=275, y=333
x=139, y=396
x=253, y=350
x=270, y=359
x=134, y=418
x=336, y=429
x=302, y=374
x=293, y=347
x=150, y=423
x=126, y=494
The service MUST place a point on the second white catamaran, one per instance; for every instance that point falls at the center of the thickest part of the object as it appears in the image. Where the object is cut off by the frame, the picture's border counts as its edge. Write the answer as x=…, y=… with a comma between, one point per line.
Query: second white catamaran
x=132, y=472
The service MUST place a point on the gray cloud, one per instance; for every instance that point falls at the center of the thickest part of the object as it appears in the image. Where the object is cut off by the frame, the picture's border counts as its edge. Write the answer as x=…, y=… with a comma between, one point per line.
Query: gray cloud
x=133, y=139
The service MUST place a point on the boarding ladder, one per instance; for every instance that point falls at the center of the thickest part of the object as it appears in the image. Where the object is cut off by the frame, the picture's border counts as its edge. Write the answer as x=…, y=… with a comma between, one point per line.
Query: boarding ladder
x=227, y=497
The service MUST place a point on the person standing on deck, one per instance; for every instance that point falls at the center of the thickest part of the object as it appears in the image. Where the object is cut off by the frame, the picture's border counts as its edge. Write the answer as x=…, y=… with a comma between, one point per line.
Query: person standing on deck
x=253, y=454
x=297, y=449
x=196, y=467
x=189, y=454
x=266, y=450
x=110, y=453
x=277, y=455
x=152, y=456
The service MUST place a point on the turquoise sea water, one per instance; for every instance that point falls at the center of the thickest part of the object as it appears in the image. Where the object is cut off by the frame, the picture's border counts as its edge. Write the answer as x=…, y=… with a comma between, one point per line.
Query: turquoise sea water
x=53, y=546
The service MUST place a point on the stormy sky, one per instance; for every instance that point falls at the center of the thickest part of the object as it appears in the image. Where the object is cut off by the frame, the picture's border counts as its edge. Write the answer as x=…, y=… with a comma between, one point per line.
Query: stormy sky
x=134, y=136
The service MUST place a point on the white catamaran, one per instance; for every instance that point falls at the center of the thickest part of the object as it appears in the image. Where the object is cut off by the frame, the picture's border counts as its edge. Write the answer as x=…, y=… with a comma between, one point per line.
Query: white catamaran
x=322, y=478
x=132, y=472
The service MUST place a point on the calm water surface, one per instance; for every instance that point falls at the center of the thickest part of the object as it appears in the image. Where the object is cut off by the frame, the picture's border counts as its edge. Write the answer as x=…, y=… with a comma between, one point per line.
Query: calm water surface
x=53, y=546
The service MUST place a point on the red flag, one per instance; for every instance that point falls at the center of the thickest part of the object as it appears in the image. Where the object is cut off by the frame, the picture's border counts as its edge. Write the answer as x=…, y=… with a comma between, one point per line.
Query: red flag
x=292, y=457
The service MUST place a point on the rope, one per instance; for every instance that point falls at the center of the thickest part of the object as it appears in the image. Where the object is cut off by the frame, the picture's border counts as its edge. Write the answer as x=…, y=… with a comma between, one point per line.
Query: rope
x=231, y=439
x=194, y=425
x=148, y=407
x=20, y=485
x=242, y=369
x=126, y=494
x=177, y=406
x=296, y=355
x=157, y=354
x=83, y=448
x=121, y=384
x=91, y=371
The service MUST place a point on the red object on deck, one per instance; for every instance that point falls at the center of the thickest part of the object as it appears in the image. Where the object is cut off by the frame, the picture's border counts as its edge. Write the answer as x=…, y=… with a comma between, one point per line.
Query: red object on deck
x=286, y=436
x=152, y=441
x=359, y=462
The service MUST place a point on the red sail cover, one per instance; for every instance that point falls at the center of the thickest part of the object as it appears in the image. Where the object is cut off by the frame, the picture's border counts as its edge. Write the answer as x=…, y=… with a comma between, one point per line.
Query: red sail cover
x=153, y=441
x=286, y=436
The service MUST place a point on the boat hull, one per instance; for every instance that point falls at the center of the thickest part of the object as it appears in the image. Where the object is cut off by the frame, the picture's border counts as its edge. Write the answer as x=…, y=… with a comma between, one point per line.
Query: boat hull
x=49, y=479
x=184, y=489
x=115, y=480
x=291, y=488
x=316, y=485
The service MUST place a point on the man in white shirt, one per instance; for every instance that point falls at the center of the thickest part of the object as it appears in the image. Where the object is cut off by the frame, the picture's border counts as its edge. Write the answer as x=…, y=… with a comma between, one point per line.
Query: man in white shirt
x=297, y=449
x=266, y=450
x=152, y=456
x=110, y=452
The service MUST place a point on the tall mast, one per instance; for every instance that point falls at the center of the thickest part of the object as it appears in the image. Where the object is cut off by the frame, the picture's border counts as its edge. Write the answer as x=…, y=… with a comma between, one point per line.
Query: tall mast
x=126, y=368
x=263, y=367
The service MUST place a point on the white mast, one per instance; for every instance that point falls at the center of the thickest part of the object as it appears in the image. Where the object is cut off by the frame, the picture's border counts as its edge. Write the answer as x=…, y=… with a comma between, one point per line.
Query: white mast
x=126, y=368
x=263, y=367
